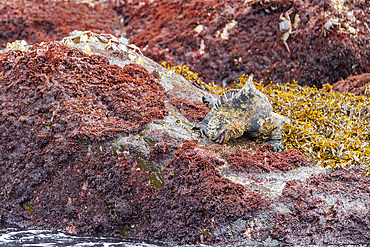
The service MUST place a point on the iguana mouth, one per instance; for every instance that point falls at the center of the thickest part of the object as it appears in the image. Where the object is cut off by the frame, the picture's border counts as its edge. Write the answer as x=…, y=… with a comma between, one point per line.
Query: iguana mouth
x=222, y=137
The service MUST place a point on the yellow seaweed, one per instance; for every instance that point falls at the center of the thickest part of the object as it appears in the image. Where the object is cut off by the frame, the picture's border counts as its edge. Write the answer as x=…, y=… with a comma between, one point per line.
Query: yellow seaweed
x=329, y=127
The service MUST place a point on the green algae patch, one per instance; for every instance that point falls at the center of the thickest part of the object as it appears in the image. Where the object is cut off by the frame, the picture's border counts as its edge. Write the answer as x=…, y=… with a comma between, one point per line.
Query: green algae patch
x=329, y=127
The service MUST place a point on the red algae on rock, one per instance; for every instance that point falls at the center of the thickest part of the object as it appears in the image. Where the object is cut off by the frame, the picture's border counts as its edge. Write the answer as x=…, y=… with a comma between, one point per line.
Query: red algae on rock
x=37, y=20
x=60, y=80
x=193, y=111
x=264, y=160
x=358, y=84
x=196, y=203
x=223, y=39
x=325, y=209
x=60, y=111
x=97, y=195
x=160, y=152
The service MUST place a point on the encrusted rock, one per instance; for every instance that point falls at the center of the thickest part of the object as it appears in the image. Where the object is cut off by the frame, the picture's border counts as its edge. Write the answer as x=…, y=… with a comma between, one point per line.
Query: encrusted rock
x=253, y=43
x=357, y=84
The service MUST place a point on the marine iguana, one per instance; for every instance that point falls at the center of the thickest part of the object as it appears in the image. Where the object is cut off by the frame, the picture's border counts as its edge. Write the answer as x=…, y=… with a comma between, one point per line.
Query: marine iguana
x=245, y=111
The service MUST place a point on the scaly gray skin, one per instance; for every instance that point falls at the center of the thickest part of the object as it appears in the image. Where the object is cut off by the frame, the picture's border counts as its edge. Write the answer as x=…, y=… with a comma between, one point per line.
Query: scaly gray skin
x=245, y=111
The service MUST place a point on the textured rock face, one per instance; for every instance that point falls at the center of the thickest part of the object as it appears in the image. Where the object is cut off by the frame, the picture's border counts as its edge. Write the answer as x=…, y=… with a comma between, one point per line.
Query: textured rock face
x=197, y=204
x=94, y=148
x=101, y=149
x=38, y=20
x=326, y=209
x=65, y=164
x=357, y=85
x=60, y=111
x=264, y=160
x=221, y=40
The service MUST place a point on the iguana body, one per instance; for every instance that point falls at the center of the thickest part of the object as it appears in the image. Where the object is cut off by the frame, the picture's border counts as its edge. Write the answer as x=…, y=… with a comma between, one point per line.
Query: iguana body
x=245, y=111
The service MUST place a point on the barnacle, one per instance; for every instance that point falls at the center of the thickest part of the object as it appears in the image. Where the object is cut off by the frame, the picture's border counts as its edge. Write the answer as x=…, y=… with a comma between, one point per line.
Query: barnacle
x=112, y=43
x=86, y=49
x=18, y=44
x=331, y=128
x=68, y=42
x=84, y=38
x=136, y=58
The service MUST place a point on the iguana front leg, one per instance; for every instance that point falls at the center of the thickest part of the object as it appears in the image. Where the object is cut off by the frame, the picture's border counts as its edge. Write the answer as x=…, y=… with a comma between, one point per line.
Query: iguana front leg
x=276, y=134
x=209, y=101
x=202, y=127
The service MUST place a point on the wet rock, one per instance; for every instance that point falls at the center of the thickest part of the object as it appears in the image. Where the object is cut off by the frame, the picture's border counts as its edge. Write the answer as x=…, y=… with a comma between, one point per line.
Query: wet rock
x=61, y=109
x=222, y=40
x=85, y=137
x=161, y=152
x=357, y=84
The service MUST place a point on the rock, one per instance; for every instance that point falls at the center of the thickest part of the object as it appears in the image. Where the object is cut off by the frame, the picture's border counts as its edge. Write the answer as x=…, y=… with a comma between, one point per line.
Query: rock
x=65, y=173
x=90, y=144
x=253, y=44
x=196, y=202
x=197, y=38
x=96, y=139
x=325, y=209
x=36, y=21
x=356, y=84
x=263, y=160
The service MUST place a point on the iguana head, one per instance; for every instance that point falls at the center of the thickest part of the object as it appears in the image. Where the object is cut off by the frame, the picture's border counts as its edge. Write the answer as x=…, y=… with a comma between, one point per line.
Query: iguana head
x=221, y=129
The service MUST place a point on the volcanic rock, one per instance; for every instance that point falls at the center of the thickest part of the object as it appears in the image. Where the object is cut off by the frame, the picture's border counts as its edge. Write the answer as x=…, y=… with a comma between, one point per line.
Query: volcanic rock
x=356, y=84
x=96, y=139
x=222, y=40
